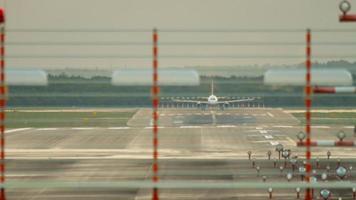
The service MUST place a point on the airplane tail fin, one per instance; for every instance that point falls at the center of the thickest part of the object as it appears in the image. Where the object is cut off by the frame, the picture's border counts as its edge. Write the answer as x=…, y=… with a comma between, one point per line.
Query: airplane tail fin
x=212, y=87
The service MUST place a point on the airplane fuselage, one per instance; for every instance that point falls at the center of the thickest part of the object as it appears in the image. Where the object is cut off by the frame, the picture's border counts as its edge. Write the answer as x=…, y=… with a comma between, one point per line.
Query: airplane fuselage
x=212, y=99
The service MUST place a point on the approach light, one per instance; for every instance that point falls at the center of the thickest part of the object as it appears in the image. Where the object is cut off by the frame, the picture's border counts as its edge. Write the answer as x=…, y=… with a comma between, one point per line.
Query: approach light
x=341, y=135
x=325, y=194
x=341, y=172
x=324, y=176
x=289, y=176
x=301, y=136
x=345, y=6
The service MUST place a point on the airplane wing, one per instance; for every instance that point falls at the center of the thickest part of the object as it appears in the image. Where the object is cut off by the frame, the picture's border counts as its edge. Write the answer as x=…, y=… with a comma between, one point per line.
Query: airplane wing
x=189, y=101
x=237, y=100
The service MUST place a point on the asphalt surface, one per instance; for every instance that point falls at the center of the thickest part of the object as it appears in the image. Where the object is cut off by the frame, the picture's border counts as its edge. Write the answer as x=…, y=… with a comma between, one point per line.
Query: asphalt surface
x=201, y=146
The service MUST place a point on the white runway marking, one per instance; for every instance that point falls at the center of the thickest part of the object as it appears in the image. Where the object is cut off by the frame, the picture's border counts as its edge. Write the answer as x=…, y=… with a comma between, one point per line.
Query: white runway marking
x=348, y=127
x=263, y=131
x=118, y=128
x=259, y=128
x=16, y=130
x=268, y=136
x=270, y=114
x=190, y=127
x=47, y=129
x=226, y=126
x=261, y=141
x=151, y=127
x=282, y=126
x=320, y=126
x=83, y=128
x=290, y=140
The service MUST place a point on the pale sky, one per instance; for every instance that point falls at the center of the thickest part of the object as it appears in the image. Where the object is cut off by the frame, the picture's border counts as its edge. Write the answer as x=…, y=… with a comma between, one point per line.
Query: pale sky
x=172, y=14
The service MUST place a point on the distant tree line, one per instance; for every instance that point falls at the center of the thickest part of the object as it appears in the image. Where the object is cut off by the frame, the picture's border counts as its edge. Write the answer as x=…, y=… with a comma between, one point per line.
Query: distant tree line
x=77, y=91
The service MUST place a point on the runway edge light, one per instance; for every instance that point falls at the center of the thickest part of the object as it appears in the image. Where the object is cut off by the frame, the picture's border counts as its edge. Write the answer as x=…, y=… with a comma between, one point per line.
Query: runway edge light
x=345, y=7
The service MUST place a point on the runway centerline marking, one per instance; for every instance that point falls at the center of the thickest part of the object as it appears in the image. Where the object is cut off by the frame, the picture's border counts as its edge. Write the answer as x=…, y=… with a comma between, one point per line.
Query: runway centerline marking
x=263, y=131
x=320, y=126
x=270, y=114
x=190, y=127
x=282, y=126
x=47, y=129
x=226, y=126
x=17, y=130
x=268, y=136
x=290, y=140
x=83, y=128
x=119, y=128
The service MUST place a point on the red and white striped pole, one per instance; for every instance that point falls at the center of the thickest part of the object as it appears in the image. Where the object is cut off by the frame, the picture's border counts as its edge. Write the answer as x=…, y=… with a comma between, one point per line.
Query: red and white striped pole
x=333, y=90
x=308, y=103
x=2, y=102
x=155, y=104
x=328, y=143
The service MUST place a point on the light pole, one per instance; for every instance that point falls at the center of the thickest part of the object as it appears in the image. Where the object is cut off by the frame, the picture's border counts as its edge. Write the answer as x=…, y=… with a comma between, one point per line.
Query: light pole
x=345, y=7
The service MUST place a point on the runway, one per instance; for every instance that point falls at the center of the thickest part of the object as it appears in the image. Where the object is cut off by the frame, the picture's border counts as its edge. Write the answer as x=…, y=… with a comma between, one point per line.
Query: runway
x=205, y=146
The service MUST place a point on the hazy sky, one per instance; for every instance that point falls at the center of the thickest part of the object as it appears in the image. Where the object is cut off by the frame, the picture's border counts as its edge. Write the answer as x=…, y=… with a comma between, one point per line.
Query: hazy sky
x=171, y=14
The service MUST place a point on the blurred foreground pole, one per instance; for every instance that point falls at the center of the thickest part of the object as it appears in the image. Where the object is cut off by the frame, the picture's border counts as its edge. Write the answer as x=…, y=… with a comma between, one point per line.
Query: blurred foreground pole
x=308, y=102
x=2, y=102
x=155, y=104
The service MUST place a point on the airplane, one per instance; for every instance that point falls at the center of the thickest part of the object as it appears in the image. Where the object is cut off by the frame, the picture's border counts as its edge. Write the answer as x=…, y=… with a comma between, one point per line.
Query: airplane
x=213, y=100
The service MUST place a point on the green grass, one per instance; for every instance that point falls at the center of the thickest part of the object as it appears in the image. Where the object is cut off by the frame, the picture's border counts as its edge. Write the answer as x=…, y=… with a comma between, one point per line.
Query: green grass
x=335, y=118
x=67, y=119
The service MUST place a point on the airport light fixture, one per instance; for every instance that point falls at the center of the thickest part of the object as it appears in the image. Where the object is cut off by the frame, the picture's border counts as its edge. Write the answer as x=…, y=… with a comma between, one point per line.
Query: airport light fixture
x=249, y=153
x=325, y=194
x=289, y=176
x=270, y=190
x=293, y=161
x=341, y=172
x=341, y=135
x=345, y=7
x=301, y=136
x=298, y=192
x=324, y=176
x=281, y=168
x=258, y=169
x=285, y=154
x=269, y=153
x=302, y=171
x=264, y=178
x=279, y=148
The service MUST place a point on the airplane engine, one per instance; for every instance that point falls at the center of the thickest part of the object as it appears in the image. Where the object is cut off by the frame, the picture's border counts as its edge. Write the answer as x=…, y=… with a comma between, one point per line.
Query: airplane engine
x=224, y=106
x=199, y=105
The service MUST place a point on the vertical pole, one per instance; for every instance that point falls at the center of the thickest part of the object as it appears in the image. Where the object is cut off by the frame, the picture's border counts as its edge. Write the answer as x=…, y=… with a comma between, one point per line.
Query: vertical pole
x=308, y=103
x=155, y=104
x=2, y=103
